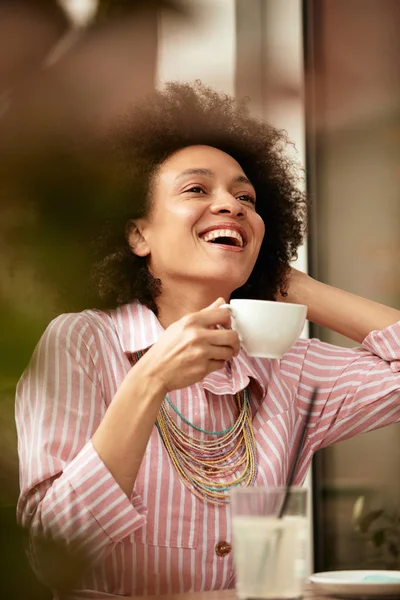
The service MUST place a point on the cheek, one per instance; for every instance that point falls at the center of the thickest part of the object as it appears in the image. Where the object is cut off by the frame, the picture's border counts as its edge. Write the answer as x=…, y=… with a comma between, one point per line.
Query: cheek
x=259, y=229
x=172, y=232
x=191, y=211
x=185, y=215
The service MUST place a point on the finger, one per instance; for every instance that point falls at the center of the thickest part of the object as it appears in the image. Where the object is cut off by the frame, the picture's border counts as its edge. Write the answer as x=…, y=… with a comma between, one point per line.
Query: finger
x=216, y=304
x=223, y=337
x=215, y=365
x=219, y=353
x=213, y=317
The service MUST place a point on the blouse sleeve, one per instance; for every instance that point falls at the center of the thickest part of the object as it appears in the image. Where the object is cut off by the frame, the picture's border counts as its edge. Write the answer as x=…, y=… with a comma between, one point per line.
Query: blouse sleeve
x=68, y=498
x=358, y=389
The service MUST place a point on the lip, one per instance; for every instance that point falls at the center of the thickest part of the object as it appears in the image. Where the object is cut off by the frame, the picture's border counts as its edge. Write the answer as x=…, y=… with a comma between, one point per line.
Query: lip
x=227, y=225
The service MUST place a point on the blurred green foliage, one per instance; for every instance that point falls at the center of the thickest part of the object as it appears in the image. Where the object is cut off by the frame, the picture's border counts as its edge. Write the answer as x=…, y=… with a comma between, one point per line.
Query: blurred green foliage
x=59, y=190
x=381, y=530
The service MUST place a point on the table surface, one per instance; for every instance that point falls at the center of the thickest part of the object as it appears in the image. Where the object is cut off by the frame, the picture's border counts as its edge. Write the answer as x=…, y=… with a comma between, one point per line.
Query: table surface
x=310, y=594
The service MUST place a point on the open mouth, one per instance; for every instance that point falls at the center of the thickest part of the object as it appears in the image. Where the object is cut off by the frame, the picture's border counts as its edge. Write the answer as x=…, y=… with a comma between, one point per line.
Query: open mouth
x=225, y=237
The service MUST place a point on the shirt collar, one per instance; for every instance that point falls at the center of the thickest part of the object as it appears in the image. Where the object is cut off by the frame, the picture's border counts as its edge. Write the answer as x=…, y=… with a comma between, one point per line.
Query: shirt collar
x=138, y=328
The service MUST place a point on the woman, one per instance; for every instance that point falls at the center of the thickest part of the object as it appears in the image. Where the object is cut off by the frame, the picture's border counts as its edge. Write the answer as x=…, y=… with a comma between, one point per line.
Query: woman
x=112, y=398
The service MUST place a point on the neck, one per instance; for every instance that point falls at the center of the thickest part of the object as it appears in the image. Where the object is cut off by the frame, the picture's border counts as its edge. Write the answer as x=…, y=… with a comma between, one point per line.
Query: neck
x=177, y=301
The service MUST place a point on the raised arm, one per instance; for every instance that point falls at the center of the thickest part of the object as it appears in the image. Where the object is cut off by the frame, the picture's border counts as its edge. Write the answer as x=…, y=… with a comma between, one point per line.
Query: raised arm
x=358, y=388
x=345, y=313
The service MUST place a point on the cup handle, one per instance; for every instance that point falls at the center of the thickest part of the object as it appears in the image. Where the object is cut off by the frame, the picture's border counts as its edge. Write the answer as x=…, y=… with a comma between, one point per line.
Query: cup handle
x=229, y=307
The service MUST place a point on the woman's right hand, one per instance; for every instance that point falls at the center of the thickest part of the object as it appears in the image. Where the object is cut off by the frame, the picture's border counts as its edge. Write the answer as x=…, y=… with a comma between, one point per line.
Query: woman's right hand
x=190, y=349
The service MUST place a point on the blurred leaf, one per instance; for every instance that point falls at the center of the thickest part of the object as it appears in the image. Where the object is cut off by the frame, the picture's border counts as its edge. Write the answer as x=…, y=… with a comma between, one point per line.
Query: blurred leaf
x=394, y=549
x=358, y=510
x=365, y=522
x=379, y=537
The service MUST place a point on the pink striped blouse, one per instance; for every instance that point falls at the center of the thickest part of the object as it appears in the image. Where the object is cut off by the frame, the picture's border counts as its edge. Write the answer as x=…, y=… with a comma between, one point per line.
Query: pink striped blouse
x=163, y=538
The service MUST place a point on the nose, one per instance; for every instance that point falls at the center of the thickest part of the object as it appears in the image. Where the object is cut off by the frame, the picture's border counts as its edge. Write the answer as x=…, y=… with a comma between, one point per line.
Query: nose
x=228, y=204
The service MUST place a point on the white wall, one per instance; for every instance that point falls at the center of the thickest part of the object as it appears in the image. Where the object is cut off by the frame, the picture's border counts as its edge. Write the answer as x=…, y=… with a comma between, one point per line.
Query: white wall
x=202, y=47
x=284, y=89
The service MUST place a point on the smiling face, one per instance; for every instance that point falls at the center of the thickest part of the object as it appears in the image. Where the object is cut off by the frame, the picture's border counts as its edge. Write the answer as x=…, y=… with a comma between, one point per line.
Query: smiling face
x=203, y=227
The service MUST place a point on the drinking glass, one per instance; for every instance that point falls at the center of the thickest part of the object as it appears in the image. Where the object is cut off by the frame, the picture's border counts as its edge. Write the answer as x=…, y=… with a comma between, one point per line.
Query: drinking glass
x=270, y=542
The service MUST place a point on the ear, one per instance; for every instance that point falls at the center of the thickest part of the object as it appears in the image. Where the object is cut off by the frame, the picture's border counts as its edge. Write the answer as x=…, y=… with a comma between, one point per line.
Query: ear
x=135, y=238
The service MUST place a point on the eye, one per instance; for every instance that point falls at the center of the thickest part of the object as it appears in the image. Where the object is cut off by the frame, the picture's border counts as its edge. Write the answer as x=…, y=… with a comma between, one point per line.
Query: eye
x=195, y=189
x=247, y=198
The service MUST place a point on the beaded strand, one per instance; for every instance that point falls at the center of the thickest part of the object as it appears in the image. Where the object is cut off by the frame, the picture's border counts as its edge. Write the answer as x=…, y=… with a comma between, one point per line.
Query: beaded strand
x=211, y=467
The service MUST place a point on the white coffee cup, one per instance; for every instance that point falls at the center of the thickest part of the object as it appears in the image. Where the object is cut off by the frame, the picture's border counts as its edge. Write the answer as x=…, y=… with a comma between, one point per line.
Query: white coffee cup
x=267, y=329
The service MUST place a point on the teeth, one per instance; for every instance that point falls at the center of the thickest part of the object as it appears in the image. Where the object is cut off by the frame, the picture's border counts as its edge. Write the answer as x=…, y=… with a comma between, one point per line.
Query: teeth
x=218, y=233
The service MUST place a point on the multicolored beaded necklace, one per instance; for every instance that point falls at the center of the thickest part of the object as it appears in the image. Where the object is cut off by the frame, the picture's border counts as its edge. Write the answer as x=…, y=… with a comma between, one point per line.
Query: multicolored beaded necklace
x=211, y=467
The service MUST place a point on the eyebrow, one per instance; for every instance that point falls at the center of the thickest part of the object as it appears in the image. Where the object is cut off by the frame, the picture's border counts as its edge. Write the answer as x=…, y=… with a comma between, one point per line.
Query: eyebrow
x=198, y=171
x=208, y=173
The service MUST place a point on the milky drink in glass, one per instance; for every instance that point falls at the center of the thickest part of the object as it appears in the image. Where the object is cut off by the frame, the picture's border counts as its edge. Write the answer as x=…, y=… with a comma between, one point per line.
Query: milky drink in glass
x=270, y=553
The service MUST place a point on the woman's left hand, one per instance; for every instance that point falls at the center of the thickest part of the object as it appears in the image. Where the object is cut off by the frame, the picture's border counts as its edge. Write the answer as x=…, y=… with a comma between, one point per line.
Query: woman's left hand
x=350, y=315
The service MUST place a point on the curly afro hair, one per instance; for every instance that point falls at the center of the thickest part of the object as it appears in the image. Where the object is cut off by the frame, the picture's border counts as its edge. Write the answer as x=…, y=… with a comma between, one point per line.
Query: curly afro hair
x=182, y=115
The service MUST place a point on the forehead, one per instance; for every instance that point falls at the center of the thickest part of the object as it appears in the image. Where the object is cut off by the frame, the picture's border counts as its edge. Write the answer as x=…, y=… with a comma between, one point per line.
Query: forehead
x=202, y=157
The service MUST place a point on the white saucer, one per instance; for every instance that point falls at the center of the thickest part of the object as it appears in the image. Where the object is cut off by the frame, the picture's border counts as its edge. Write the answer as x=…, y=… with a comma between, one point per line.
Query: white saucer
x=355, y=584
